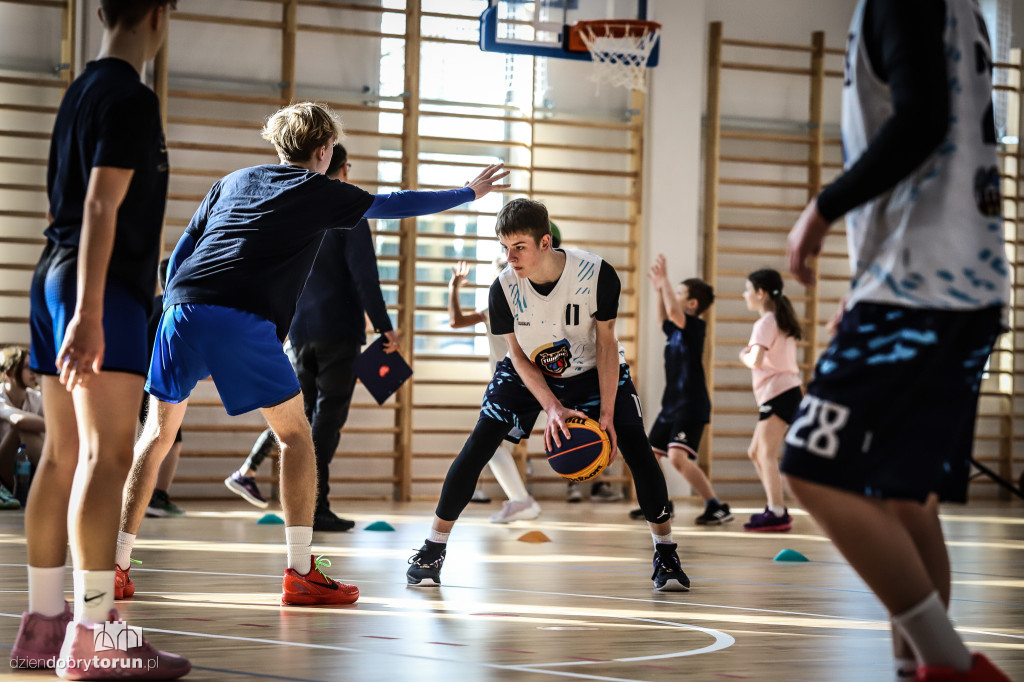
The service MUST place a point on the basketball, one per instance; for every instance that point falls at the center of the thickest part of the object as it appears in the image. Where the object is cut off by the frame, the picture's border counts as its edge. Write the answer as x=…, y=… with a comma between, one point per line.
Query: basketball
x=585, y=454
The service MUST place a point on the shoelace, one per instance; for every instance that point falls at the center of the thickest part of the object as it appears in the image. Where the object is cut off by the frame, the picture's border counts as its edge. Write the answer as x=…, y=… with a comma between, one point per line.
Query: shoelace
x=670, y=563
x=415, y=558
x=320, y=564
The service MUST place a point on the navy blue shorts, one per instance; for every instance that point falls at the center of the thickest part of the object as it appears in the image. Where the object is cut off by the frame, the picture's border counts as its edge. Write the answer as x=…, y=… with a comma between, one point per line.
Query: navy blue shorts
x=509, y=400
x=684, y=433
x=891, y=410
x=52, y=305
x=239, y=350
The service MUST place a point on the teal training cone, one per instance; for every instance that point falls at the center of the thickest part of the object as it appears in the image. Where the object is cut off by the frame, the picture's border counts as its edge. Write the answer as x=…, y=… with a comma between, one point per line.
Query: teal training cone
x=380, y=525
x=270, y=520
x=790, y=555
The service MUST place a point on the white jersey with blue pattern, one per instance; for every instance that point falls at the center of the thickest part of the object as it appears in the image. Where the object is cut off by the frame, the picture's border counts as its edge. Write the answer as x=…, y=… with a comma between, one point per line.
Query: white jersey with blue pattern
x=558, y=332
x=935, y=240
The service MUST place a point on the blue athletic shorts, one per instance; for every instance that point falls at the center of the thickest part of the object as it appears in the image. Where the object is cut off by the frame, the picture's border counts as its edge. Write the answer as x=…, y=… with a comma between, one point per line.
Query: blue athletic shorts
x=891, y=410
x=52, y=305
x=239, y=350
x=509, y=400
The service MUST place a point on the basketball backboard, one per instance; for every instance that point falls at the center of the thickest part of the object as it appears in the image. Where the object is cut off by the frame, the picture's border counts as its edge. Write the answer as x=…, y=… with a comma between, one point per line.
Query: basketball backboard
x=539, y=27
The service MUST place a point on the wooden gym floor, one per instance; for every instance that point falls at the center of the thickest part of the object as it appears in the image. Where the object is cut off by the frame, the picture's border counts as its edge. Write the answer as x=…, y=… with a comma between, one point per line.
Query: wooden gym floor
x=579, y=606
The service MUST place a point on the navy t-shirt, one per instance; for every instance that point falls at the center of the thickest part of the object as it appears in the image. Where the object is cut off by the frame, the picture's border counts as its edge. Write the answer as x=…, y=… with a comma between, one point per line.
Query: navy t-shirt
x=342, y=284
x=256, y=235
x=109, y=118
x=686, y=389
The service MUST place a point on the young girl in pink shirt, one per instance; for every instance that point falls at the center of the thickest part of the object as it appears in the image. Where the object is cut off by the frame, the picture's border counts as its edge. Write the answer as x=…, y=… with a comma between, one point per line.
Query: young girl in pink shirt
x=771, y=356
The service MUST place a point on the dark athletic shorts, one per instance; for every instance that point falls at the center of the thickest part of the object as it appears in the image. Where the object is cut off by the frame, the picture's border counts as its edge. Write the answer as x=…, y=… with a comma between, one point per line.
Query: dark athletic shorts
x=684, y=433
x=891, y=410
x=52, y=305
x=783, y=406
x=509, y=400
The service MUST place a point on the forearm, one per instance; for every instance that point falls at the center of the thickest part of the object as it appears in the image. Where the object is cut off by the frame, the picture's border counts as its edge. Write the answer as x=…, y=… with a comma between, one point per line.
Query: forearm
x=534, y=380
x=27, y=422
x=672, y=306
x=455, y=317
x=99, y=226
x=408, y=204
x=662, y=313
x=608, y=375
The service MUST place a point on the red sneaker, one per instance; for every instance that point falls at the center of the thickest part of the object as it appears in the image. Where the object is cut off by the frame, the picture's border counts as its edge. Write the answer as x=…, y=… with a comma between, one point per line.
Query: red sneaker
x=981, y=670
x=115, y=651
x=39, y=639
x=315, y=587
x=123, y=585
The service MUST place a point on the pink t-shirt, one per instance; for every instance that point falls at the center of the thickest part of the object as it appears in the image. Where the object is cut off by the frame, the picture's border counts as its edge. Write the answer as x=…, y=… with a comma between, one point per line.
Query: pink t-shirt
x=778, y=371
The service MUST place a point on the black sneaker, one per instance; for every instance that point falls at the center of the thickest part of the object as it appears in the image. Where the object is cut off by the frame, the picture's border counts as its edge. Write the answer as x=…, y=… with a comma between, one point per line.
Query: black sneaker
x=668, y=573
x=425, y=569
x=715, y=515
x=328, y=522
x=639, y=513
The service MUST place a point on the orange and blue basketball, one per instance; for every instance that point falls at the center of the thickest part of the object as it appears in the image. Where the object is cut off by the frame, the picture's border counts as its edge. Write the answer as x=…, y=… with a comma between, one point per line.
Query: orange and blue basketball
x=585, y=454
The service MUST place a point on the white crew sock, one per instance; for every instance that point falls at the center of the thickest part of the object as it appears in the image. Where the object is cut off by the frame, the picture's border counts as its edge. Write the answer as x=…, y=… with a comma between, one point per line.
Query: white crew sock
x=300, y=548
x=930, y=634
x=778, y=510
x=441, y=538
x=662, y=539
x=125, y=545
x=94, y=596
x=503, y=466
x=46, y=590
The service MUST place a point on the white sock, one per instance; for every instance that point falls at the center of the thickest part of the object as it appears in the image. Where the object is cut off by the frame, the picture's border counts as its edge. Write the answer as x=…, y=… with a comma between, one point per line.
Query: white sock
x=931, y=636
x=662, y=539
x=904, y=669
x=243, y=471
x=46, y=590
x=125, y=544
x=438, y=537
x=94, y=596
x=300, y=548
x=503, y=466
x=777, y=509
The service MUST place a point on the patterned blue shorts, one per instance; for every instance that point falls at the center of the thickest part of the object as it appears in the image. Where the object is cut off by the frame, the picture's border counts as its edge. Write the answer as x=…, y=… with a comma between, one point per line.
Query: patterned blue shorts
x=890, y=412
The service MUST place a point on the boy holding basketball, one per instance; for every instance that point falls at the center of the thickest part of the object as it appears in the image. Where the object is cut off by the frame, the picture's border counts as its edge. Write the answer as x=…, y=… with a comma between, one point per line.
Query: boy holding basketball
x=556, y=309
x=685, y=405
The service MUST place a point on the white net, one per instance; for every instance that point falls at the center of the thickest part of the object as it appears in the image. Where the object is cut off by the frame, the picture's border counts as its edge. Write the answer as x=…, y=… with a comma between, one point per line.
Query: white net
x=620, y=61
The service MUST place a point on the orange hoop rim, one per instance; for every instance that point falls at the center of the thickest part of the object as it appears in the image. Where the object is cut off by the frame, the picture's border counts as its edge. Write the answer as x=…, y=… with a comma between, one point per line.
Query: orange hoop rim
x=609, y=28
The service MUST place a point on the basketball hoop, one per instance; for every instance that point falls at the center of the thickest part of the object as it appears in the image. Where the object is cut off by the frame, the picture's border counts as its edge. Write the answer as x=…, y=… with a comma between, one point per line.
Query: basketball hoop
x=619, y=48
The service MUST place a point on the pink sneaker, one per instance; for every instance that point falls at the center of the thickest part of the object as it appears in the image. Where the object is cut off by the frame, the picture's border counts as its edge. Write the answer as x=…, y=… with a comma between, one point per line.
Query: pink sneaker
x=37, y=645
x=115, y=651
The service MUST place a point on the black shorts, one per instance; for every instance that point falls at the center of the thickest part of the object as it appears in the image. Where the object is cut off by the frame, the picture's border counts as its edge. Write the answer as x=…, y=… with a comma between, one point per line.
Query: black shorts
x=891, y=410
x=783, y=406
x=509, y=400
x=684, y=433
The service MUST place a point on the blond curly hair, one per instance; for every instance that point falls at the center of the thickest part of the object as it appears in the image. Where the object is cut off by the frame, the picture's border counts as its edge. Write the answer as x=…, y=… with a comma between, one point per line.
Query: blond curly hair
x=12, y=359
x=297, y=130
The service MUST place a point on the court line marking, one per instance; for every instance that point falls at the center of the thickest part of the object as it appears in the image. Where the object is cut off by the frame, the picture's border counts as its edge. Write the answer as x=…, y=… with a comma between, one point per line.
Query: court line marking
x=573, y=594
x=329, y=647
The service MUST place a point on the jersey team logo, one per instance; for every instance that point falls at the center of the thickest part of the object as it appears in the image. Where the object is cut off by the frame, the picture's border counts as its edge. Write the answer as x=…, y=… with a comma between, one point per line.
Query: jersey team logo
x=553, y=359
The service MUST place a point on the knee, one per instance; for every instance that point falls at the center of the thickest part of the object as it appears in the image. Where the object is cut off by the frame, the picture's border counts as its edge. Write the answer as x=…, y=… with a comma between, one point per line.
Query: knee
x=752, y=452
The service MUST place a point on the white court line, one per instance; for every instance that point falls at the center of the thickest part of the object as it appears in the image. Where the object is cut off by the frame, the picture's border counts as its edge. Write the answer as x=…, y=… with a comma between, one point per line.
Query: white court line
x=328, y=647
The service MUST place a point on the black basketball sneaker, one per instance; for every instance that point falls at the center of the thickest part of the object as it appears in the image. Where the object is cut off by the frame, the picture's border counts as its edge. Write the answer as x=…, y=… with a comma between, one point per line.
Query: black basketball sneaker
x=425, y=568
x=668, y=573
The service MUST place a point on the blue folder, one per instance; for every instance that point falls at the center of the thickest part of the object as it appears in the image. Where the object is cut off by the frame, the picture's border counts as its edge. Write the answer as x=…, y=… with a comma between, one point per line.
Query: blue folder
x=382, y=373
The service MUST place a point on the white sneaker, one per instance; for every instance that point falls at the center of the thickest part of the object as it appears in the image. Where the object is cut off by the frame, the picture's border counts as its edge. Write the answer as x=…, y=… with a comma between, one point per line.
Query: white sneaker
x=517, y=510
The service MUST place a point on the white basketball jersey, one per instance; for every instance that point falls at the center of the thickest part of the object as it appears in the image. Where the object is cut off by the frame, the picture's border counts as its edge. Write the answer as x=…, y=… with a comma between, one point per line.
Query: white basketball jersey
x=936, y=239
x=558, y=332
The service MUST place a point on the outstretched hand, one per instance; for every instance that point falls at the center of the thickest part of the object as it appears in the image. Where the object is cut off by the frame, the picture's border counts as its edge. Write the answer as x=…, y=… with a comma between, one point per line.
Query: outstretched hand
x=460, y=271
x=486, y=182
x=659, y=271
